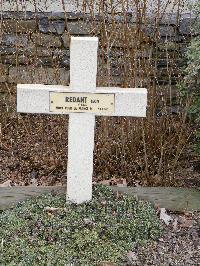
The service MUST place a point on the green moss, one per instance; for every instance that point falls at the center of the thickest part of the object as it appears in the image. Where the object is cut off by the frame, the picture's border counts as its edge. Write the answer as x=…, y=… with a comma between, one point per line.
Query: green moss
x=101, y=230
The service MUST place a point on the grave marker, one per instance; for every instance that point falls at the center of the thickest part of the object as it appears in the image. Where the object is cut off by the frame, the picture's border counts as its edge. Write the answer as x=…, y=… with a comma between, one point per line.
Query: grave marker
x=82, y=101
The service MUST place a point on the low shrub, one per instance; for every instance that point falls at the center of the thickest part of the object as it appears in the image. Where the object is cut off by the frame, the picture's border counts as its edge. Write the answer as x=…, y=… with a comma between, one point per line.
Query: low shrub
x=103, y=229
x=190, y=87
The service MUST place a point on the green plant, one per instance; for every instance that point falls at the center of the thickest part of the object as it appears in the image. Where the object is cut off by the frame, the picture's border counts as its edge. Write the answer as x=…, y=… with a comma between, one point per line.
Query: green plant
x=104, y=229
x=190, y=87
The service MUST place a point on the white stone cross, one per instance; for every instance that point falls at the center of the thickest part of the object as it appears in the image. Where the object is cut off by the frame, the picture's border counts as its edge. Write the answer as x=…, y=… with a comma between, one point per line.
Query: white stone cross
x=82, y=100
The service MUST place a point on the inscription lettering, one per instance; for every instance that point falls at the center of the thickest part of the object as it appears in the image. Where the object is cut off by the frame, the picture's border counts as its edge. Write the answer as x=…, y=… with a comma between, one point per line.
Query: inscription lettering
x=76, y=99
x=68, y=102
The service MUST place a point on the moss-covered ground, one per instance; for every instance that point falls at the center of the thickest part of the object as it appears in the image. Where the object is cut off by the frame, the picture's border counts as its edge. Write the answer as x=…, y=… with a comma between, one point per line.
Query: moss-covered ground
x=104, y=229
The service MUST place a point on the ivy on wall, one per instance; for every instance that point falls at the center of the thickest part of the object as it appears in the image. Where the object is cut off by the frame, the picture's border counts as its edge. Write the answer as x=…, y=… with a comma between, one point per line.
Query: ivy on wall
x=190, y=87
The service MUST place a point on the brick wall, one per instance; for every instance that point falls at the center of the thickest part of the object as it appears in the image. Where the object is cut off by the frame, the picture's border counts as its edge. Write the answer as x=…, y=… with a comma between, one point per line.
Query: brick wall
x=34, y=47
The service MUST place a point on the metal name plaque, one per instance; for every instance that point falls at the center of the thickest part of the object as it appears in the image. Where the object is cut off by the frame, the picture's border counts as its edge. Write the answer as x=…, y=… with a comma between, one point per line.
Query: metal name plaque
x=75, y=102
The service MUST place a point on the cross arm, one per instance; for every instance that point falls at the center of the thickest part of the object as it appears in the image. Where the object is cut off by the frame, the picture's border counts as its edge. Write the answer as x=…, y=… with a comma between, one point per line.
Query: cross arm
x=35, y=98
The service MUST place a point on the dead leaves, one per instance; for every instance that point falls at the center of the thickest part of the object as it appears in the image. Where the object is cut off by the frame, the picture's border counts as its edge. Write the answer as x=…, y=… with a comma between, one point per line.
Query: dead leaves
x=53, y=209
x=120, y=182
x=186, y=222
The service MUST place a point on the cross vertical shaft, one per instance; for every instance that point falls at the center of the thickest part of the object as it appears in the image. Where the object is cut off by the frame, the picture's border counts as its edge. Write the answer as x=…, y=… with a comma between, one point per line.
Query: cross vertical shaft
x=83, y=70
x=48, y=99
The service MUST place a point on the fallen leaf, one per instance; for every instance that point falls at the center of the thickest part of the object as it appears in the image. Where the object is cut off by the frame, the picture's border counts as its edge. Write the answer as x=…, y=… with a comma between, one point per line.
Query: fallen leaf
x=186, y=223
x=6, y=184
x=52, y=209
x=50, y=214
x=114, y=182
x=164, y=216
x=175, y=224
x=122, y=183
x=119, y=194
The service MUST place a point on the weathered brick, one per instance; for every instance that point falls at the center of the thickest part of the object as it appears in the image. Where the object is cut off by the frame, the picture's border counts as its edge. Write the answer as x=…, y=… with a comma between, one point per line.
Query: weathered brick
x=186, y=25
x=162, y=31
x=30, y=50
x=66, y=40
x=3, y=72
x=4, y=50
x=38, y=75
x=26, y=60
x=80, y=28
x=48, y=26
x=8, y=59
x=14, y=40
x=120, y=36
x=62, y=56
x=61, y=52
x=28, y=15
x=34, y=50
x=34, y=58
x=166, y=54
x=18, y=15
x=21, y=26
x=46, y=40
x=103, y=80
x=167, y=46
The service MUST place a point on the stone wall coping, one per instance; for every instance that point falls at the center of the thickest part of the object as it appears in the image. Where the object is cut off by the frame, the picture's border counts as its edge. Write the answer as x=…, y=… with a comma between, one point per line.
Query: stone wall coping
x=166, y=18
x=54, y=22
